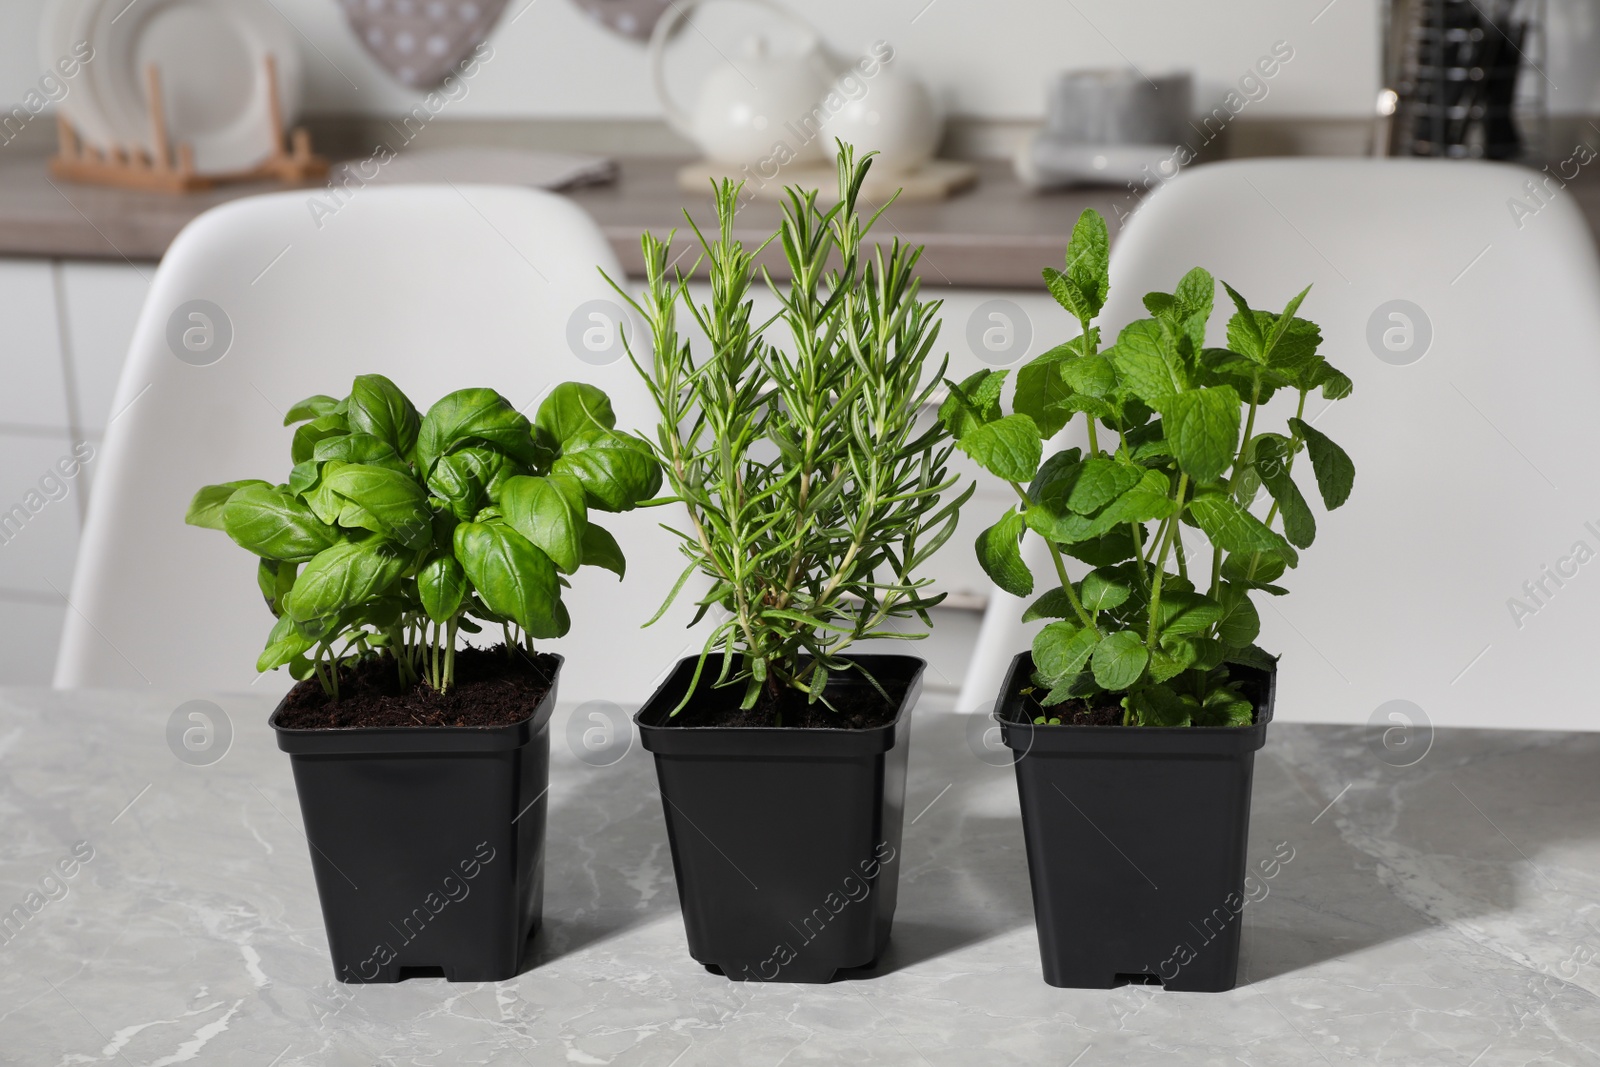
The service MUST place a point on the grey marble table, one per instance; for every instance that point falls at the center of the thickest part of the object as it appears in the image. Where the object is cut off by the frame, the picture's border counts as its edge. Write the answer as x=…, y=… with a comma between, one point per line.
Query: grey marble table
x=1446, y=913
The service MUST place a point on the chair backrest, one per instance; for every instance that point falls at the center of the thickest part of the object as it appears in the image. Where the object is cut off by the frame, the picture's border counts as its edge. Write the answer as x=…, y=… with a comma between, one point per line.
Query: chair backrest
x=440, y=288
x=1464, y=301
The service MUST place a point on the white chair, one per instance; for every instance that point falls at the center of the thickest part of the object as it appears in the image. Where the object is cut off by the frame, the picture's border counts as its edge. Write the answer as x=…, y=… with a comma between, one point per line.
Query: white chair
x=1475, y=476
x=438, y=287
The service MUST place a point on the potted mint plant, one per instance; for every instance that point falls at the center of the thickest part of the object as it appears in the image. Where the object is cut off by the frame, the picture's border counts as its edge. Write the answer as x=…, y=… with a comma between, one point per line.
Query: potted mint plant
x=812, y=494
x=422, y=768
x=1136, y=715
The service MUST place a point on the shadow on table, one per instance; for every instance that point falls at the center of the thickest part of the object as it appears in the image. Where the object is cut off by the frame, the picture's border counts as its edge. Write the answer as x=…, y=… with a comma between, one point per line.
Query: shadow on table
x=1451, y=839
x=608, y=868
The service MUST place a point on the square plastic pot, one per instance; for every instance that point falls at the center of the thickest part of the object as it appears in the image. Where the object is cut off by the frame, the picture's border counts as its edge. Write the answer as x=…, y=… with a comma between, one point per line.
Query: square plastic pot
x=427, y=843
x=785, y=841
x=1136, y=840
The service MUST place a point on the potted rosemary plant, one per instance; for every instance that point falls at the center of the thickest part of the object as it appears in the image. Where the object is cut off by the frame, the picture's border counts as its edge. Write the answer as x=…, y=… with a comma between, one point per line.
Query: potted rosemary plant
x=421, y=769
x=813, y=493
x=1137, y=713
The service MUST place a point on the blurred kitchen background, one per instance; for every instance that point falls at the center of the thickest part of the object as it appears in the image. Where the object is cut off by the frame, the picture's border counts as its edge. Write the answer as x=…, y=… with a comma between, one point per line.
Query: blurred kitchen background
x=1021, y=149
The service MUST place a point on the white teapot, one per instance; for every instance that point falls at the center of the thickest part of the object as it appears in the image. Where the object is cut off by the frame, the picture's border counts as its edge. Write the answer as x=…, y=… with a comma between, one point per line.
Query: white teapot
x=745, y=112
x=875, y=105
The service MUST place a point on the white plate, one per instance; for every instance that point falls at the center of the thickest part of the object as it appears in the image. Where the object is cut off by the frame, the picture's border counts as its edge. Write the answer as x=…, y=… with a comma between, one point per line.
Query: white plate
x=1044, y=164
x=56, y=39
x=213, y=83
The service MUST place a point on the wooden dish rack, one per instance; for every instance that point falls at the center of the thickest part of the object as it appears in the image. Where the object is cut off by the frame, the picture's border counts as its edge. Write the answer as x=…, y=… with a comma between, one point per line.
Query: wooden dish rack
x=170, y=169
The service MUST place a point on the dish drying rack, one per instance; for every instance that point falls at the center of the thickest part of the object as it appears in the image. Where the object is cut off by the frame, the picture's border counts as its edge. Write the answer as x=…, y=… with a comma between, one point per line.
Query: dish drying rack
x=169, y=168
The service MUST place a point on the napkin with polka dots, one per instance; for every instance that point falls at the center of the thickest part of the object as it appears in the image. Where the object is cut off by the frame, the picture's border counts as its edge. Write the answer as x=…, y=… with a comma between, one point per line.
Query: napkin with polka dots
x=421, y=41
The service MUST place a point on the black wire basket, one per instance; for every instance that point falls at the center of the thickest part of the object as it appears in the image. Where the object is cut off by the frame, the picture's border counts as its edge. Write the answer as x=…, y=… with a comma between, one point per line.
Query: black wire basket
x=1468, y=78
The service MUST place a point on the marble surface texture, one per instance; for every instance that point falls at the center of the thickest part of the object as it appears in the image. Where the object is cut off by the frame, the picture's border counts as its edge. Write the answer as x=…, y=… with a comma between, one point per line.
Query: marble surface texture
x=1446, y=912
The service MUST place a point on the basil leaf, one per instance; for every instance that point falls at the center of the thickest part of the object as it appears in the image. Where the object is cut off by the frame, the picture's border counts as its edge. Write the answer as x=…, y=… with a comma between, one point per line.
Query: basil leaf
x=311, y=407
x=515, y=580
x=390, y=503
x=378, y=407
x=549, y=512
x=616, y=470
x=600, y=549
x=272, y=523
x=206, y=507
x=470, y=416
x=344, y=576
x=442, y=587
x=570, y=408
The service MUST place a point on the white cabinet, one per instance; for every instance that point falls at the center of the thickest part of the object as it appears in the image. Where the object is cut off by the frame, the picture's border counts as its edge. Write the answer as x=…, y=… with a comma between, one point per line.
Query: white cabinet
x=67, y=329
x=101, y=305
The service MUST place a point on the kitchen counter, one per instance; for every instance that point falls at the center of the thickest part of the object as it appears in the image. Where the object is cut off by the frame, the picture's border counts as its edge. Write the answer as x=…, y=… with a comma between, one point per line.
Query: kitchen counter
x=1442, y=913
x=996, y=235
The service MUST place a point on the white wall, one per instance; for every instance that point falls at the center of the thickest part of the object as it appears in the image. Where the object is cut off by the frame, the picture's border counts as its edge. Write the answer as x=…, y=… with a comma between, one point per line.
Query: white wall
x=988, y=58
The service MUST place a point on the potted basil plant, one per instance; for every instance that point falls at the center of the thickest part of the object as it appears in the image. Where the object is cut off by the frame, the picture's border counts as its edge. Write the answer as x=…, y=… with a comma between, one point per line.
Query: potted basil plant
x=812, y=493
x=421, y=768
x=1136, y=715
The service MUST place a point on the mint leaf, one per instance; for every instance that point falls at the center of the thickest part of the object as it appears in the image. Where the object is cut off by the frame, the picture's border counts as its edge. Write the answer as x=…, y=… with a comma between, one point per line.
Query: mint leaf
x=1089, y=260
x=1160, y=706
x=1041, y=389
x=1008, y=447
x=1068, y=295
x=1141, y=362
x=1240, y=623
x=1090, y=374
x=1146, y=501
x=1000, y=555
x=1272, y=466
x=1336, y=474
x=1252, y=656
x=972, y=403
x=1183, y=612
x=1053, y=604
x=1119, y=660
x=1171, y=658
x=1233, y=529
x=1104, y=587
x=1061, y=649
x=1244, y=329
x=1319, y=372
x=1099, y=482
x=1203, y=430
x=1109, y=548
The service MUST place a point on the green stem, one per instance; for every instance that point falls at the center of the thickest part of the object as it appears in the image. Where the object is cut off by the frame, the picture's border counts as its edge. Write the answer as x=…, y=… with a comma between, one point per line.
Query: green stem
x=1061, y=568
x=1161, y=563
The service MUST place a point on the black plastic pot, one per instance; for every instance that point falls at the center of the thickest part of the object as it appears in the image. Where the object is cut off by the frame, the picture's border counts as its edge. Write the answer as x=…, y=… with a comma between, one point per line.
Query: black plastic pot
x=1136, y=841
x=427, y=843
x=785, y=841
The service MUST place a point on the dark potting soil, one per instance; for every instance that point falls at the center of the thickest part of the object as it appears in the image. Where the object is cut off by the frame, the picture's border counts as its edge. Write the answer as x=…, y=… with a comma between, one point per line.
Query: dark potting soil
x=857, y=705
x=491, y=689
x=1072, y=712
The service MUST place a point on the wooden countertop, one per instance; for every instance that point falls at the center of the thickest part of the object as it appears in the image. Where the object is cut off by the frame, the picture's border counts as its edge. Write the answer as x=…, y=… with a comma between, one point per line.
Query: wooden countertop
x=996, y=234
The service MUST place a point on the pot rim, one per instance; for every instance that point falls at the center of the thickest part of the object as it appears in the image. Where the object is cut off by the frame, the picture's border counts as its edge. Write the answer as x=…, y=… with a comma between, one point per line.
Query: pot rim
x=1023, y=736
x=345, y=740
x=913, y=689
